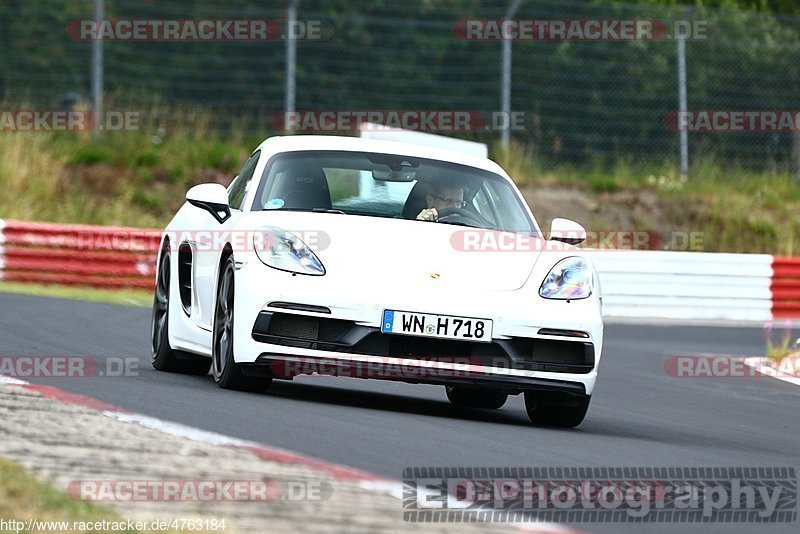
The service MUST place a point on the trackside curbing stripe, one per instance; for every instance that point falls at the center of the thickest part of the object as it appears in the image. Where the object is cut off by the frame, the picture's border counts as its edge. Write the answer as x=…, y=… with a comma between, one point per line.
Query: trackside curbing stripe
x=10, y=381
x=70, y=398
x=175, y=429
x=267, y=453
x=761, y=364
x=2, y=249
x=363, y=479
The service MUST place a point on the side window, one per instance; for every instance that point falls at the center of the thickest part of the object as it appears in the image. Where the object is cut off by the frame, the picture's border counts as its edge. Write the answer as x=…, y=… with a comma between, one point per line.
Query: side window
x=508, y=219
x=242, y=184
x=481, y=203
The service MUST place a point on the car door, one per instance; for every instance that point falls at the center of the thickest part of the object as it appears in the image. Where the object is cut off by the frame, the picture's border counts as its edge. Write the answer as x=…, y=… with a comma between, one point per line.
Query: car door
x=208, y=252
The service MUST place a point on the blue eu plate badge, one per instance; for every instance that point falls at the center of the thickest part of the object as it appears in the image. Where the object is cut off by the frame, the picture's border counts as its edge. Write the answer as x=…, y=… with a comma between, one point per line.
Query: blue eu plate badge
x=388, y=321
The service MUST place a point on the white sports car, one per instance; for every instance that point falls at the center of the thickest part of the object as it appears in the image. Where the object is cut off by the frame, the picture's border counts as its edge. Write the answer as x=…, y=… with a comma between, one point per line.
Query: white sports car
x=377, y=259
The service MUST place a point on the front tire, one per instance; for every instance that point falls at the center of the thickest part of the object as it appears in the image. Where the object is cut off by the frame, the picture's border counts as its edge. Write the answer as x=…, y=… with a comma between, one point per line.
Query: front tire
x=558, y=415
x=227, y=373
x=491, y=399
x=163, y=356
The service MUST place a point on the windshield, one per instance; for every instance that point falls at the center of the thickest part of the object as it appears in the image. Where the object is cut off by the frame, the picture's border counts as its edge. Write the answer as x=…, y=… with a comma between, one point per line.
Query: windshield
x=383, y=185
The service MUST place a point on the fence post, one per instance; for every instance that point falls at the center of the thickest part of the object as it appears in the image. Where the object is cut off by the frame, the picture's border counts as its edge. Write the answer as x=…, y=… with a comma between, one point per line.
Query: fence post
x=796, y=155
x=291, y=59
x=505, y=86
x=97, y=72
x=682, y=105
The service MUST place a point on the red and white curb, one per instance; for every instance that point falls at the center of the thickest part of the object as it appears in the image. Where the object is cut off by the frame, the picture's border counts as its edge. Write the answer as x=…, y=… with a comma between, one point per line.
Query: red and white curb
x=363, y=479
x=2, y=248
x=768, y=367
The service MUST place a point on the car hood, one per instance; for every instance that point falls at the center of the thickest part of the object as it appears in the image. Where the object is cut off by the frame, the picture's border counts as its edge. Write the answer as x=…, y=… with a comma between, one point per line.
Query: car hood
x=362, y=250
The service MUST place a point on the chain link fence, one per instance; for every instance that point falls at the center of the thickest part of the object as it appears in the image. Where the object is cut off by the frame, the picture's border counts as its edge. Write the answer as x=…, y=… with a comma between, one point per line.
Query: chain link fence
x=585, y=103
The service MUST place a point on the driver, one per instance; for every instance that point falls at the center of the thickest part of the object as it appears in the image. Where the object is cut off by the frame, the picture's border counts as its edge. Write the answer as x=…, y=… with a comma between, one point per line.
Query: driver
x=441, y=196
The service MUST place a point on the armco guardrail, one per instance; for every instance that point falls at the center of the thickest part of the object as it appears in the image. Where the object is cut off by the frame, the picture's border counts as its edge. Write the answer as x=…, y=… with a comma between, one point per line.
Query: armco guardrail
x=100, y=256
x=653, y=284
x=685, y=285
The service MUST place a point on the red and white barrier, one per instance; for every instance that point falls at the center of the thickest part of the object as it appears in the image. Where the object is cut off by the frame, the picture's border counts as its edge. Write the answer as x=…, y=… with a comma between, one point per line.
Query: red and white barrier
x=76, y=254
x=698, y=285
x=785, y=287
x=651, y=284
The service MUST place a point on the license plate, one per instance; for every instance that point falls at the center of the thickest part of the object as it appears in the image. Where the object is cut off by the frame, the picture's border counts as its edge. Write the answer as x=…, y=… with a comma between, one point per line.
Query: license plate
x=440, y=326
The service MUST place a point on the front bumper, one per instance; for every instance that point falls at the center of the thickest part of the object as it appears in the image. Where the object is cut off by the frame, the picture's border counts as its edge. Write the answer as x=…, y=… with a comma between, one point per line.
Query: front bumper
x=306, y=327
x=305, y=344
x=299, y=330
x=285, y=366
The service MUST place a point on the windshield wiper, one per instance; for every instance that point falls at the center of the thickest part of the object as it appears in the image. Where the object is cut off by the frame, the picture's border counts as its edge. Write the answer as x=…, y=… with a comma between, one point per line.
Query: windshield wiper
x=325, y=210
x=461, y=224
x=311, y=210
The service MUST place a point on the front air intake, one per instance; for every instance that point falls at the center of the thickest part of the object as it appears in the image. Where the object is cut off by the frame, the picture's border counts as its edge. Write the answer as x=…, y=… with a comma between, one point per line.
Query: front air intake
x=185, y=258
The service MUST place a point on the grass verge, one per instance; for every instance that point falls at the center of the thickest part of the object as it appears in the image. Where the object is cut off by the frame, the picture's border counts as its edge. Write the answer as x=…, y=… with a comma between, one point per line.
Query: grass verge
x=735, y=209
x=24, y=497
x=128, y=297
x=139, y=178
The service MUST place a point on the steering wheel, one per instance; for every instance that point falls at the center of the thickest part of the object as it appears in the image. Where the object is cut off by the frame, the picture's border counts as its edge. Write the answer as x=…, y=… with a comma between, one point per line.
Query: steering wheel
x=461, y=216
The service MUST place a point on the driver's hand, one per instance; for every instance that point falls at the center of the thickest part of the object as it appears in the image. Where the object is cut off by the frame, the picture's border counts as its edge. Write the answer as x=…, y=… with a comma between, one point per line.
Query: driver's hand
x=429, y=214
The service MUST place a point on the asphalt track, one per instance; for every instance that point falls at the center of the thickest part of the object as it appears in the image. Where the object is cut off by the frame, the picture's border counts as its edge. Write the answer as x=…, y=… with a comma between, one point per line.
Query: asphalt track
x=640, y=416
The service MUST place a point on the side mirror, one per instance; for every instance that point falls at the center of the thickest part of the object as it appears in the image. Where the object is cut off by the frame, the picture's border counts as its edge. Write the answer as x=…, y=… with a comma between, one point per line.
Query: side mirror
x=567, y=231
x=212, y=198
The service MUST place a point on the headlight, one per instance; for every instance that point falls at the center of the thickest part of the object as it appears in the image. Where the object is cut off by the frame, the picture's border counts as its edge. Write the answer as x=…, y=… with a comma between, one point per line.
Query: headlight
x=570, y=279
x=285, y=251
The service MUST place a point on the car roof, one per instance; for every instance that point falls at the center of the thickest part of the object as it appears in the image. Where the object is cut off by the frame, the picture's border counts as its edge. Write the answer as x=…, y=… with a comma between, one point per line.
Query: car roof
x=294, y=143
